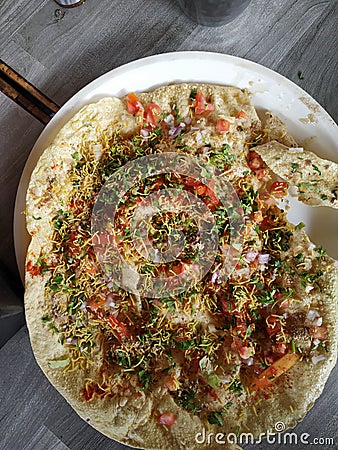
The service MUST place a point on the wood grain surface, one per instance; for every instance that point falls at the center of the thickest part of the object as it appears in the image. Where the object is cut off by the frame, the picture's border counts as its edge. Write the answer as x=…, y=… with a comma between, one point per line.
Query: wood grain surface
x=60, y=51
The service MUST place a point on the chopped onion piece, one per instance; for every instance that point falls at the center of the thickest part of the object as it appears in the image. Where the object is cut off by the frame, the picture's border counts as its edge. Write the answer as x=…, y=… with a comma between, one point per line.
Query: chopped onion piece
x=156, y=259
x=308, y=288
x=316, y=342
x=83, y=307
x=214, y=277
x=37, y=192
x=169, y=119
x=317, y=359
x=97, y=150
x=173, y=132
x=293, y=191
x=251, y=256
x=212, y=328
x=263, y=258
x=199, y=137
x=296, y=149
x=318, y=322
x=226, y=379
x=312, y=314
x=123, y=401
x=145, y=133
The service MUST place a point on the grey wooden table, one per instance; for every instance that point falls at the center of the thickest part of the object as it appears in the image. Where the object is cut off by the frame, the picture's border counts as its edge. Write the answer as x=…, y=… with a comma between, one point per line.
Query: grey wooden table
x=60, y=51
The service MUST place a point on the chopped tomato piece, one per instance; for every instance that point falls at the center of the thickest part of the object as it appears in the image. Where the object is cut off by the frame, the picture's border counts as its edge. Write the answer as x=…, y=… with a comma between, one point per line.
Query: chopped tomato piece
x=133, y=104
x=268, y=222
x=76, y=205
x=33, y=270
x=212, y=393
x=255, y=161
x=318, y=332
x=242, y=348
x=210, y=193
x=241, y=329
x=178, y=269
x=167, y=418
x=281, y=348
x=222, y=125
x=242, y=115
x=73, y=248
x=171, y=384
x=267, y=199
x=258, y=216
x=90, y=268
x=279, y=189
x=158, y=183
x=226, y=306
x=200, y=189
x=191, y=182
x=273, y=325
x=260, y=173
x=201, y=105
x=96, y=303
x=276, y=369
x=120, y=328
x=152, y=114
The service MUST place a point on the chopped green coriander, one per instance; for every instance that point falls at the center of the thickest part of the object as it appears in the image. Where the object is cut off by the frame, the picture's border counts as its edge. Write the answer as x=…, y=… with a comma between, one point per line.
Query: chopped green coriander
x=215, y=418
x=46, y=319
x=294, y=167
x=193, y=94
x=187, y=399
x=76, y=156
x=185, y=345
x=316, y=169
x=300, y=226
x=236, y=386
x=59, y=363
x=145, y=378
x=293, y=346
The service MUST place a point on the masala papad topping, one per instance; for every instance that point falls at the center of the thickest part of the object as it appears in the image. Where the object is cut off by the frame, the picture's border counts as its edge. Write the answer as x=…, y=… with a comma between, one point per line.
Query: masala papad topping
x=166, y=291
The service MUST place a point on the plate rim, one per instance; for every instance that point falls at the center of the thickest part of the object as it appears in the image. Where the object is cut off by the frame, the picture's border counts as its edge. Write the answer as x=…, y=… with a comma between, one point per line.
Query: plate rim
x=74, y=104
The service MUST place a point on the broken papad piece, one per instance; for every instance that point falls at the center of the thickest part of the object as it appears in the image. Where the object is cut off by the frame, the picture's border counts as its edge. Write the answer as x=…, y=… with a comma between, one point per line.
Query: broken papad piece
x=276, y=130
x=315, y=178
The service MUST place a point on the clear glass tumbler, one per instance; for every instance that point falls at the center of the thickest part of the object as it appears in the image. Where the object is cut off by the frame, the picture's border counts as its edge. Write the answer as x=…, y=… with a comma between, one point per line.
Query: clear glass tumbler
x=213, y=13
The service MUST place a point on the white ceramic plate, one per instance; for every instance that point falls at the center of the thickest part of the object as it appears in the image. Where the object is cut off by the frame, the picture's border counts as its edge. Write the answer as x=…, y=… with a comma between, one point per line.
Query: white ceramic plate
x=307, y=121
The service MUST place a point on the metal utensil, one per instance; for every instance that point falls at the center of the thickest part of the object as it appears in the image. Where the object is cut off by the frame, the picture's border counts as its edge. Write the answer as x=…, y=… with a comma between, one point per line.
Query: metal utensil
x=213, y=13
x=69, y=3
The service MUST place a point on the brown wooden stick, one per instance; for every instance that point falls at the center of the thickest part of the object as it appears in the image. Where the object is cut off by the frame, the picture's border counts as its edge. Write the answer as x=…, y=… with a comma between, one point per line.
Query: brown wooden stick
x=26, y=95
